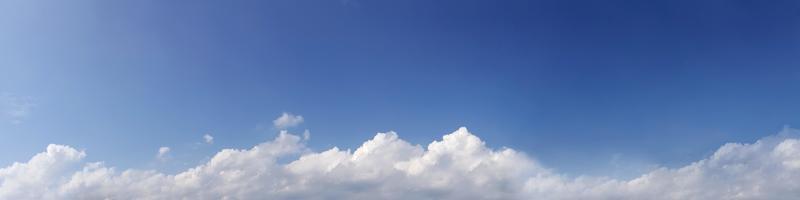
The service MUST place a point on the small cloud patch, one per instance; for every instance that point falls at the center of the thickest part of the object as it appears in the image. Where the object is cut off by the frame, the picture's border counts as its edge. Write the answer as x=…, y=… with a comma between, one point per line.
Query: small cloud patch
x=287, y=120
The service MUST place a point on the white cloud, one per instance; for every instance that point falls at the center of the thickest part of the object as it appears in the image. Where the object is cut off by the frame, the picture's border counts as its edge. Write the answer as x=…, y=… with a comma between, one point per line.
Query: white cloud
x=16, y=108
x=208, y=139
x=287, y=120
x=31, y=179
x=162, y=153
x=459, y=166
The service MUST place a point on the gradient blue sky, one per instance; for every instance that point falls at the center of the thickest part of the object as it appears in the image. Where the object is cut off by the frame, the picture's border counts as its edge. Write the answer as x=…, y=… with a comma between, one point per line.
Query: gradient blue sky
x=581, y=85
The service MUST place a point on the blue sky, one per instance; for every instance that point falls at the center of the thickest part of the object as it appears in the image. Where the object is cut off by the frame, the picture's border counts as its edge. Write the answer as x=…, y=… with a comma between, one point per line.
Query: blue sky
x=580, y=85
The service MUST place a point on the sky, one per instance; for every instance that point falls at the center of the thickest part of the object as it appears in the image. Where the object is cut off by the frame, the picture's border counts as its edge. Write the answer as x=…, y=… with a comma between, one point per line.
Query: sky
x=612, y=89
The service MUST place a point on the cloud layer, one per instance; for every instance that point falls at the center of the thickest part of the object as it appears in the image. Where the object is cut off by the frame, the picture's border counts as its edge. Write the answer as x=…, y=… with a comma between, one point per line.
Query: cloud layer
x=459, y=166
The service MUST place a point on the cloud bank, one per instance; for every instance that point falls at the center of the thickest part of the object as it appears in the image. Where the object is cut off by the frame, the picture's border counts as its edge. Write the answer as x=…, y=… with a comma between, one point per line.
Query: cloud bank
x=459, y=166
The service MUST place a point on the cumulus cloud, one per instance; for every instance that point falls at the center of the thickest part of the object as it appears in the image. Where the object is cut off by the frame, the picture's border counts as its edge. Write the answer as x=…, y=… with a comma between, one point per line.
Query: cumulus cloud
x=162, y=153
x=287, y=120
x=31, y=179
x=208, y=139
x=16, y=108
x=459, y=166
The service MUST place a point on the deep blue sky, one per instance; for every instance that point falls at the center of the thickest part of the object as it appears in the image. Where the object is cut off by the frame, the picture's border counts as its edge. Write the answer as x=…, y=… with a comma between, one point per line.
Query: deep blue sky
x=580, y=85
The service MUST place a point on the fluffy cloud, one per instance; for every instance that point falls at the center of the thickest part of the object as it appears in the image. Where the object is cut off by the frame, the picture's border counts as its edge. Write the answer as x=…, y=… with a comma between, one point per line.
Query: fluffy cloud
x=287, y=120
x=459, y=166
x=32, y=180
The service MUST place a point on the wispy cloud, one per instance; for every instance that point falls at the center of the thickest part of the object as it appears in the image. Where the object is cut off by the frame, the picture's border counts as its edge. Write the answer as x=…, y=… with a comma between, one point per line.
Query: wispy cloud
x=287, y=120
x=162, y=153
x=16, y=108
x=459, y=166
x=208, y=139
x=306, y=135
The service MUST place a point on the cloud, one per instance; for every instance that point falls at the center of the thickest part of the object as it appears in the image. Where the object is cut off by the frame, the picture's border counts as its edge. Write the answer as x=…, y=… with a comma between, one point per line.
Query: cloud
x=459, y=166
x=208, y=139
x=16, y=108
x=287, y=120
x=162, y=153
x=31, y=179
x=306, y=135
